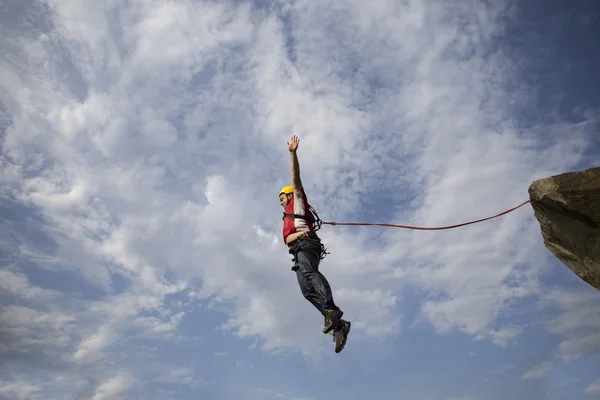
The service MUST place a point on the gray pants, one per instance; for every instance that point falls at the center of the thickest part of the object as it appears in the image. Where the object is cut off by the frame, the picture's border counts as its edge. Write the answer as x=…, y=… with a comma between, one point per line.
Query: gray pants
x=308, y=253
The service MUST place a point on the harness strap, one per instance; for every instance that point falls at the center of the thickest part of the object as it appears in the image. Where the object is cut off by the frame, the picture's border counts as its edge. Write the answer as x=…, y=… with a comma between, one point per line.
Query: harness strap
x=313, y=218
x=309, y=217
x=296, y=245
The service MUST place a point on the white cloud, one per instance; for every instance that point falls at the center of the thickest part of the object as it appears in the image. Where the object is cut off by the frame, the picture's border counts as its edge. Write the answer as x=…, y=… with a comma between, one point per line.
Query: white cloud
x=111, y=388
x=578, y=321
x=539, y=371
x=593, y=388
x=89, y=350
x=375, y=311
x=503, y=337
x=17, y=284
x=150, y=139
x=18, y=390
x=25, y=331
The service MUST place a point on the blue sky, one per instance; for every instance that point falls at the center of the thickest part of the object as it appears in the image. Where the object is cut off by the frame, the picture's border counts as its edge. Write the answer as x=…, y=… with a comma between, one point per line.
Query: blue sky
x=142, y=149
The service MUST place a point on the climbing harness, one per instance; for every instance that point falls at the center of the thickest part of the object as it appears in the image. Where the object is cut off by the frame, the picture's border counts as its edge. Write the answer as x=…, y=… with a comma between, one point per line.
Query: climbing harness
x=312, y=217
x=311, y=237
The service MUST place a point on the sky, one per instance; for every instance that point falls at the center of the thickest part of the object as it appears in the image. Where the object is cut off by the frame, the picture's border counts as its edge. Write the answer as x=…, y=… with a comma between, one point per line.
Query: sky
x=142, y=149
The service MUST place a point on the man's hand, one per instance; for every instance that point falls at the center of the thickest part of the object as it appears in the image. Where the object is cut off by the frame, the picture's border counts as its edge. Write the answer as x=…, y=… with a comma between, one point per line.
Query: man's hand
x=292, y=145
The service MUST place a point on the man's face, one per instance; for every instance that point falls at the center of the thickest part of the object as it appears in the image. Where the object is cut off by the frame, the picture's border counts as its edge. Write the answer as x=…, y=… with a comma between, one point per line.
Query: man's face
x=284, y=199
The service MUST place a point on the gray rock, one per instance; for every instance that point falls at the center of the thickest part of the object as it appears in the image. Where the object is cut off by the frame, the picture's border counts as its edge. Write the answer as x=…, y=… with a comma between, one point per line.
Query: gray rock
x=567, y=206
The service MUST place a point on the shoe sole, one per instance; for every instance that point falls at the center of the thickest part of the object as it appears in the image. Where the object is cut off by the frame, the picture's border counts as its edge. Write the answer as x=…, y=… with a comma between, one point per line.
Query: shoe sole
x=327, y=330
x=345, y=338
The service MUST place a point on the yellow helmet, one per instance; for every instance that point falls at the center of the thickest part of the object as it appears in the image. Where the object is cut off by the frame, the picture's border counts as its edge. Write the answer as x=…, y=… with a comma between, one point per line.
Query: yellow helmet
x=286, y=190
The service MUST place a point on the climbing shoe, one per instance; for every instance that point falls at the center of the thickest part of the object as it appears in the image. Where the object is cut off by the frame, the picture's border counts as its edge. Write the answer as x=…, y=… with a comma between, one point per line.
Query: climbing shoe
x=341, y=334
x=332, y=318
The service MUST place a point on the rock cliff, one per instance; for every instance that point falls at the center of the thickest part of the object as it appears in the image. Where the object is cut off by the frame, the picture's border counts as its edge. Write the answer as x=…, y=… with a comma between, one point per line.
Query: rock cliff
x=567, y=206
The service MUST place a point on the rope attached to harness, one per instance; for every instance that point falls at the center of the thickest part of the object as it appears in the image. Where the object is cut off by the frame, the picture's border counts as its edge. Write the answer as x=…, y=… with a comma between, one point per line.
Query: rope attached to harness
x=424, y=228
x=313, y=217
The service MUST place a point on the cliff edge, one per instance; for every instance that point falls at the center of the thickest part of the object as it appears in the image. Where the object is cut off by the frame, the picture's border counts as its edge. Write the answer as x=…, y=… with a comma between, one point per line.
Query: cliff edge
x=567, y=206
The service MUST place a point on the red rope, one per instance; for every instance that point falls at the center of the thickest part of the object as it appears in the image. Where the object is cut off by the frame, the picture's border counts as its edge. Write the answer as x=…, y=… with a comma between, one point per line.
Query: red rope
x=421, y=228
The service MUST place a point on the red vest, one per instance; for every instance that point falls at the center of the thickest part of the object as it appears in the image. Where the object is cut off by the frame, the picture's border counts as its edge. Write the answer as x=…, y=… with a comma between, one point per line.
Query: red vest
x=298, y=205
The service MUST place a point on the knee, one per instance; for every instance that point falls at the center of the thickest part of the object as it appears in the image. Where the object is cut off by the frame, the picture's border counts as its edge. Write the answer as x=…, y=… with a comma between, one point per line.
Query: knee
x=305, y=289
x=307, y=265
x=307, y=274
x=306, y=294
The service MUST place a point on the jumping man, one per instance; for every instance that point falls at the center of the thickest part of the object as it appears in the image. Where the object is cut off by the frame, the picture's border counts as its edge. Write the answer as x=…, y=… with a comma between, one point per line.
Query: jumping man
x=300, y=237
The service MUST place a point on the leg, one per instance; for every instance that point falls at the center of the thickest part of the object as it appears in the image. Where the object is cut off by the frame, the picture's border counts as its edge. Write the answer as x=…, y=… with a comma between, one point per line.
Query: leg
x=308, y=291
x=314, y=285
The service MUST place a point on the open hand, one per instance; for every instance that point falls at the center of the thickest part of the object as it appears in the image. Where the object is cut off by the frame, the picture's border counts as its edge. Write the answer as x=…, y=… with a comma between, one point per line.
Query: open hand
x=292, y=145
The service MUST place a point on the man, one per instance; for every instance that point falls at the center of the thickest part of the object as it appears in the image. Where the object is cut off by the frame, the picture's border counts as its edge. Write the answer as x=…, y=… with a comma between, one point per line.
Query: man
x=302, y=241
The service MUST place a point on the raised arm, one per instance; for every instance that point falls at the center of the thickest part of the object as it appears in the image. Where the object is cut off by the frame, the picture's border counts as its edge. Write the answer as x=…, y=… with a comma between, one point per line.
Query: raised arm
x=292, y=146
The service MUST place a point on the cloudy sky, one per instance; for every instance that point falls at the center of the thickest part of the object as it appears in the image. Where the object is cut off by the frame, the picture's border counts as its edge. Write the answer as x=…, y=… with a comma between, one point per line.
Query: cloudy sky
x=143, y=147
